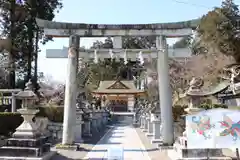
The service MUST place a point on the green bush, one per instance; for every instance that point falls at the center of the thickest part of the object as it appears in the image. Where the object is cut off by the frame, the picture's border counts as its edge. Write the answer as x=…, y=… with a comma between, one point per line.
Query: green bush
x=212, y=106
x=54, y=114
x=9, y=122
x=205, y=106
x=219, y=106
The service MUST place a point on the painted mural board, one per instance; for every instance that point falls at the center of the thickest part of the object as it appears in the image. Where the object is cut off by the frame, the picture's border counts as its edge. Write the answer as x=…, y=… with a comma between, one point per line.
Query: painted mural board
x=215, y=128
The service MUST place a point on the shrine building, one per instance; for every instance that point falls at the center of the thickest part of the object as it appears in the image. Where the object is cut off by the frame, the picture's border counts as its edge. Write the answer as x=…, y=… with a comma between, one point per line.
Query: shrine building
x=118, y=95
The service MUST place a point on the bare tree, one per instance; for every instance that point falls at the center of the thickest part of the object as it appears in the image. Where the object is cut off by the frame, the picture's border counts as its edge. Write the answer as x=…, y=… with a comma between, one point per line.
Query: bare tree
x=205, y=66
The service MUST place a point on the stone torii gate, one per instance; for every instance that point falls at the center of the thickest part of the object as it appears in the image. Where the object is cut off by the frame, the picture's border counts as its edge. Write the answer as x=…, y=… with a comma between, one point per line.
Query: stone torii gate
x=76, y=30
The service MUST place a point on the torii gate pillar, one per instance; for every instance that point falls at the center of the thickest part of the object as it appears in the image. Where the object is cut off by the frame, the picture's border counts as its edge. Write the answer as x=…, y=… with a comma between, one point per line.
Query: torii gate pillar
x=165, y=95
x=69, y=119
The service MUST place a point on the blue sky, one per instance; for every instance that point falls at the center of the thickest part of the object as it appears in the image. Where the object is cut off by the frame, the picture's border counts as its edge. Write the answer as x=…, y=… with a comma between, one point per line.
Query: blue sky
x=117, y=12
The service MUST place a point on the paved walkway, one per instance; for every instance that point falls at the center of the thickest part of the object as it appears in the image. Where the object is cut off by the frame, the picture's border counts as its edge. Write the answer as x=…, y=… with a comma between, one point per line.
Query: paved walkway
x=153, y=152
x=120, y=136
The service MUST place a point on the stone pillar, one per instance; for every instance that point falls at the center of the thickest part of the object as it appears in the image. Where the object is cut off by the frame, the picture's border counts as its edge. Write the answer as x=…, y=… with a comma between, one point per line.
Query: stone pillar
x=142, y=122
x=155, y=118
x=131, y=101
x=94, y=121
x=165, y=91
x=117, y=42
x=78, y=127
x=134, y=119
x=87, y=130
x=70, y=91
x=146, y=123
x=99, y=120
x=14, y=105
x=150, y=128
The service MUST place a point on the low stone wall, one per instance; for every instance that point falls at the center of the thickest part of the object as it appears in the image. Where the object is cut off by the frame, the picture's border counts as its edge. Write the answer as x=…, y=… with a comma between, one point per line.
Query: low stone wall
x=55, y=129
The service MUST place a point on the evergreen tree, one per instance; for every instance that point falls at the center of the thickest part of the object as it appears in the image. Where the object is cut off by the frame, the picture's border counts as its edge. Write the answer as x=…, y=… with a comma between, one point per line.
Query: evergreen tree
x=217, y=31
x=18, y=23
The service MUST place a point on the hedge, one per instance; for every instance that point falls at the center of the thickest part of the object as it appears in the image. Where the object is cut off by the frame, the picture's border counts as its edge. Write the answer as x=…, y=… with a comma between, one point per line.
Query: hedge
x=9, y=122
x=212, y=106
x=54, y=114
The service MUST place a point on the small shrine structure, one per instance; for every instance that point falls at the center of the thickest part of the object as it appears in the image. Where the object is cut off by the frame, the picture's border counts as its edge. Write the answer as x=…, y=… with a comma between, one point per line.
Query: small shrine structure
x=118, y=95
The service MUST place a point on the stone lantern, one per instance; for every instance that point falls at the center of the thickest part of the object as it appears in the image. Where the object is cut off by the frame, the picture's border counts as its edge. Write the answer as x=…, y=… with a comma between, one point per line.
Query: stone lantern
x=28, y=111
x=156, y=121
x=27, y=142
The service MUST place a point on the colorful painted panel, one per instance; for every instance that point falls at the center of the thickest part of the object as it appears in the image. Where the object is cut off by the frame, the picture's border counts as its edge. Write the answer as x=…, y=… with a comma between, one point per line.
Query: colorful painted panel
x=216, y=128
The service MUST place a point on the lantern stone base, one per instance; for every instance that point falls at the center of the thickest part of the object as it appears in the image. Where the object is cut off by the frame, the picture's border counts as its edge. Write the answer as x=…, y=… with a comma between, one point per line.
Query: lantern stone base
x=149, y=134
x=26, y=148
x=27, y=142
x=155, y=141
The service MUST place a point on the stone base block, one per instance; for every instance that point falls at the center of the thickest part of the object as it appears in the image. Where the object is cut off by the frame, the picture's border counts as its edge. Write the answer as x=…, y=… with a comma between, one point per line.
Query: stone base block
x=149, y=134
x=87, y=135
x=79, y=140
x=16, y=142
x=135, y=124
x=141, y=127
x=154, y=141
x=12, y=151
x=162, y=146
x=46, y=156
x=144, y=130
x=181, y=153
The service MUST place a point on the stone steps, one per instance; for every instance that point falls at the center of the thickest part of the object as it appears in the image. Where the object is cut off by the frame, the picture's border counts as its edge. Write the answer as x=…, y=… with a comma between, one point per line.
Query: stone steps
x=16, y=151
x=45, y=156
x=17, y=142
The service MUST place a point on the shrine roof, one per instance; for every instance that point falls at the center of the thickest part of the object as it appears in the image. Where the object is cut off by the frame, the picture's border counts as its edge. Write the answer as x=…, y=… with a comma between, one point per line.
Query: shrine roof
x=214, y=90
x=115, y=87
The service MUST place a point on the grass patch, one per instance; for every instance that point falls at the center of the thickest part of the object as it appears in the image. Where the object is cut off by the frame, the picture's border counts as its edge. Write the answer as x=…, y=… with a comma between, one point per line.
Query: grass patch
x=67, y=146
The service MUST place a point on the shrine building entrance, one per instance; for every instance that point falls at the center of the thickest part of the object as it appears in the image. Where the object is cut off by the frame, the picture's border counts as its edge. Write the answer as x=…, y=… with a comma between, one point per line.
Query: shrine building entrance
x=119, y=105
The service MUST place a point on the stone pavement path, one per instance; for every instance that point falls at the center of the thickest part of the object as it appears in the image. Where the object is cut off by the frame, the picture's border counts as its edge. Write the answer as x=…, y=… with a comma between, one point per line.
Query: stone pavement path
x=120, y=136
x=153, y=152
x=86, y=147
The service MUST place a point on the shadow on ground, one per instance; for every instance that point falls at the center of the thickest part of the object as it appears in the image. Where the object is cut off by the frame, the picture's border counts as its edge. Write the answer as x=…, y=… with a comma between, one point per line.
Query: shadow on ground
x=61, y=157
x=96, y=136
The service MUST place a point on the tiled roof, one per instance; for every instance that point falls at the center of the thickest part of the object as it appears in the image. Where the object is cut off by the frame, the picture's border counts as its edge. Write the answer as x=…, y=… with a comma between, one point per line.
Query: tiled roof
x=105, y=87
